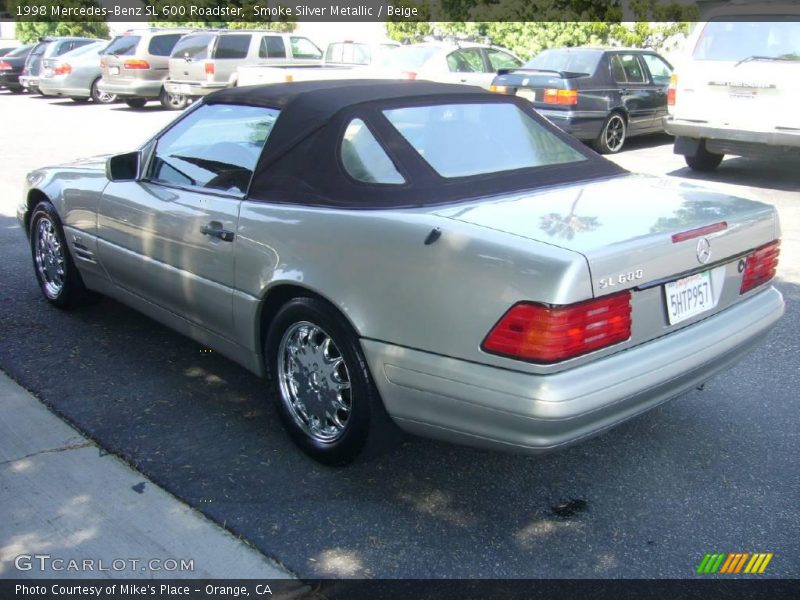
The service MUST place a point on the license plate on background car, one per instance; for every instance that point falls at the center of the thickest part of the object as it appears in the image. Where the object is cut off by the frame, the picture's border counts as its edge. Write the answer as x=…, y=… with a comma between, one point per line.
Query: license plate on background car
x=689, y=297
x=529, y=95
x=184, y=88
x=113, y=70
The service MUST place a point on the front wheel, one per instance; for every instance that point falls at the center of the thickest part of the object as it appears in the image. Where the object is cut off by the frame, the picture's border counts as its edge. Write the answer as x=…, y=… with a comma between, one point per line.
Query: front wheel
x=59, y=280
x=101, y=97
x=172, y=101
x=703, y=160
x=135, y=102
x=612, y=135
x=325, y=394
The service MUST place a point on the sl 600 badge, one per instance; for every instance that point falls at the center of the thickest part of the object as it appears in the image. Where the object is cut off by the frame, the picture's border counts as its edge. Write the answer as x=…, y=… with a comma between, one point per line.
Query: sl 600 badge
x=606, y=282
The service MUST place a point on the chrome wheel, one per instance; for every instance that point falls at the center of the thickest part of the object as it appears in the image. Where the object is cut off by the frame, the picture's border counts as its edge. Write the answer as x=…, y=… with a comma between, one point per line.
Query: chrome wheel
x=615, y=133
x=49, y=256
x=314, y=382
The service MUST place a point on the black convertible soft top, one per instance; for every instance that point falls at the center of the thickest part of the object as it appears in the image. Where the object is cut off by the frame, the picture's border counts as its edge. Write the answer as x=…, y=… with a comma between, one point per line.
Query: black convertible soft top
x=301, y=164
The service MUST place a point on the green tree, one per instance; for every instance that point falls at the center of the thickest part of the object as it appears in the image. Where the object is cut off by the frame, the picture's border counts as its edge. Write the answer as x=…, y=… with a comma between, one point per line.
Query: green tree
x=31, y=30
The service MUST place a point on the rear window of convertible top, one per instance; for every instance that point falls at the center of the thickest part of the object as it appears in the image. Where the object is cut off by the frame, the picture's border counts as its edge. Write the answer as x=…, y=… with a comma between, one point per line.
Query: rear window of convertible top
x=460, y=140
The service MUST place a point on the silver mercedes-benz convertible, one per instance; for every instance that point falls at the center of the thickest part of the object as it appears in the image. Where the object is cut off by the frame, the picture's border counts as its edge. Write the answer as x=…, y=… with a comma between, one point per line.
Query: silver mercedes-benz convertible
x=413, y=254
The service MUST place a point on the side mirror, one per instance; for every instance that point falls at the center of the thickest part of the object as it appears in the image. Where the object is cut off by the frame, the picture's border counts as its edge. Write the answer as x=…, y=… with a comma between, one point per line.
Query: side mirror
x=123, y=167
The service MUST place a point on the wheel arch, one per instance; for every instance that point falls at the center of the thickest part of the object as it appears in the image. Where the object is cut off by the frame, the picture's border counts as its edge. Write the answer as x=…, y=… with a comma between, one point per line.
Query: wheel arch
x=279, y=294
x=34, y=197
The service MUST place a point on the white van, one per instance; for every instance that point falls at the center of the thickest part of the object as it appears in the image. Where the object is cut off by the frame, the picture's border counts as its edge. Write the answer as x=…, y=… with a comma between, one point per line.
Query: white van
x=737, y=90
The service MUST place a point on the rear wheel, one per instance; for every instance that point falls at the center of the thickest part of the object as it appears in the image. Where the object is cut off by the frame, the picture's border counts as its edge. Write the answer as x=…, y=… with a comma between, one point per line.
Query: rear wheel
x=59, y=280
x=612, y=135
x=703, y=160
x=172, y=101
x=325, y=394
x=135, y=102
x=101, y=97
x=15, y=90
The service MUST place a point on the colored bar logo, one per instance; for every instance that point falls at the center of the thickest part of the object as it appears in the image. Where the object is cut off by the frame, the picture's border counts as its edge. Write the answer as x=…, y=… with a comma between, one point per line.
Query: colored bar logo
x=734, y=563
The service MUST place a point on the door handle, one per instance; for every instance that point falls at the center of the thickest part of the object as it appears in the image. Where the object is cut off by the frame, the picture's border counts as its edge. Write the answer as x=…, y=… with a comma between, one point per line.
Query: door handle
x=214, y=229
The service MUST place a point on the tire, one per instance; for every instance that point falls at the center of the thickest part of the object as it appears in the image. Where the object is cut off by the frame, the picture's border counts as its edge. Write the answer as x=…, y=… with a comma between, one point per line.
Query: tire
x=172, y=101
x=323, y=389
x=15, y=90
x=612, y=135
x=703, y=160
x=135, y=102
x=59, y=280
x=101, y=97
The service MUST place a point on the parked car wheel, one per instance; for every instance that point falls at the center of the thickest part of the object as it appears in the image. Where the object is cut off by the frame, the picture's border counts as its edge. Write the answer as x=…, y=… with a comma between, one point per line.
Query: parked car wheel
x=15, y=90
x=135, y=102
x=101, y=97
x=172, y=101
x=58, y=278
x=612, y=136
x=325, y=394
x=703, y=160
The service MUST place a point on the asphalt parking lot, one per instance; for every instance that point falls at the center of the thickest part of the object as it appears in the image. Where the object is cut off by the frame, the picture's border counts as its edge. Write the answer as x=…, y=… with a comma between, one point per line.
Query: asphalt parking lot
x=713, y=471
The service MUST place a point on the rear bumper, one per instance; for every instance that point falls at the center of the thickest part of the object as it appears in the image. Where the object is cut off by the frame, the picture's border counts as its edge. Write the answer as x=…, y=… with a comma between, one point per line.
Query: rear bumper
x=9, y=80
x=132, y=88
x=584, y=125
x=30, y=82
x=193, y=88
x=478, y=405
x=51, y=87
x=730, y=137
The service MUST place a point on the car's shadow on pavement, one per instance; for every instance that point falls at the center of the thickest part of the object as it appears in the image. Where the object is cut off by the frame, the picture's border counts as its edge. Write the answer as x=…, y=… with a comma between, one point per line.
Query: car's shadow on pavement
x=778, y=175
x=645, y=500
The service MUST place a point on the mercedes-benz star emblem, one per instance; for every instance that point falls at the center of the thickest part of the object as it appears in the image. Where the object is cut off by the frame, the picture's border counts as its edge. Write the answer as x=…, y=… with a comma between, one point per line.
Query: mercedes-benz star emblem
x=703, y=250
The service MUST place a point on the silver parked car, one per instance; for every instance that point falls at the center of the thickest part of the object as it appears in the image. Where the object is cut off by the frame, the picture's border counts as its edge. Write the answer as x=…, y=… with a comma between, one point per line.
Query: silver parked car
x=75, y=75
x=207, y=61
x=336, y=237
x=48, y=47
x=136, y=64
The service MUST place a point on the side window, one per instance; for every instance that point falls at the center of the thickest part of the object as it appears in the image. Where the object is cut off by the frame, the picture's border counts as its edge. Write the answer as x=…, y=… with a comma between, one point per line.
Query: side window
x=467, y=60
x=272, y=46
x=162, y=45
x=334, y=52
x=659, y=69
x=617, y=71
x=232, y=46
x=215, y=147
x=501, y=60
x=364, y=158
x=304, y=48
x=633, y=68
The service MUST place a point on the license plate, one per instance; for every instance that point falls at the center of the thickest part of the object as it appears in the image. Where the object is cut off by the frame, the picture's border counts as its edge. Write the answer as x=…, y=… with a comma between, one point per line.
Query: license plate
x=113, y=70
x=689, y=297
x=529, y=95
x=184, y=88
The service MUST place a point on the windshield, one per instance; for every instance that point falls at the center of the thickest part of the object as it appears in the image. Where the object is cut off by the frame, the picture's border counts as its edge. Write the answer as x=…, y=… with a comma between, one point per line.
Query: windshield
x=193, y=46
x=124, y=45
x=739, y=40
x=573, y=61
x=406, y=57
x=460, y=140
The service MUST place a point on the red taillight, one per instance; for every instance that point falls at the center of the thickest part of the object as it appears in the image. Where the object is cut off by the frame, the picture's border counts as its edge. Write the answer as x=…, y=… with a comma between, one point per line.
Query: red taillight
x=136, y=63
x=102, y=63
x=408, y=75
x=546, y=334
x=673, y=84
x=4, y=66
x=554, y=96
x=760, y=266
x=63, y=69
x=699, y=232
x=209, y=68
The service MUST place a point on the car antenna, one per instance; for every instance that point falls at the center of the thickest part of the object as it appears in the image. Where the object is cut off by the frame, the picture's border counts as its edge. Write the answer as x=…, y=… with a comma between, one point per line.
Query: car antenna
x=434, y=235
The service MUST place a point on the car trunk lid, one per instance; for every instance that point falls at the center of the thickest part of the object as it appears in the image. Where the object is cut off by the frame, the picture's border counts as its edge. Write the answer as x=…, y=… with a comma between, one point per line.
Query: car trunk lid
x=112, y=61
x=624, y=227
x=189, y=57
x=542, y=87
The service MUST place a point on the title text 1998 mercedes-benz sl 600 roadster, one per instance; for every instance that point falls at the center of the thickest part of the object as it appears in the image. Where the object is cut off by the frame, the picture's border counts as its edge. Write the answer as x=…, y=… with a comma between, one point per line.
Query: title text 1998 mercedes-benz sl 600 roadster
x=413, y=254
